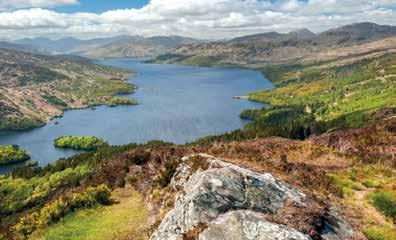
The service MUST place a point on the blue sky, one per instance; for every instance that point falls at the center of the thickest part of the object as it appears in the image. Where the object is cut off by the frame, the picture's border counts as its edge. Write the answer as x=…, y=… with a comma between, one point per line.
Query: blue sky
x=99, y=6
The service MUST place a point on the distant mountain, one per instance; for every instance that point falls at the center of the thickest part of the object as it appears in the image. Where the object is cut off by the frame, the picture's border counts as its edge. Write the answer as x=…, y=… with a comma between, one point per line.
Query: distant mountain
x=18, y=47
x=302, y=33
x=273, y=47
x=268, y=36
x=275, y=36
x=355, y=33
x=70, y=44
x=146, y=47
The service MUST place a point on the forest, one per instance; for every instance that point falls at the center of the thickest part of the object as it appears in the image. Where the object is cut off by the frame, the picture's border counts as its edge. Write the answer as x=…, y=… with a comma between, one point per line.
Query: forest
x=87, y=143
x=12, y=154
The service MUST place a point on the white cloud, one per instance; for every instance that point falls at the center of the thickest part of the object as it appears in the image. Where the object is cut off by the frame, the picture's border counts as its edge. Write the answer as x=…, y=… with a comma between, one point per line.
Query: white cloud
x=198, y=18
x=16, y=4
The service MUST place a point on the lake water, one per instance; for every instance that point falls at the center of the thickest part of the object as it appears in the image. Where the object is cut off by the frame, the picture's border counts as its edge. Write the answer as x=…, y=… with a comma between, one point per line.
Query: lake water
x=177, y=104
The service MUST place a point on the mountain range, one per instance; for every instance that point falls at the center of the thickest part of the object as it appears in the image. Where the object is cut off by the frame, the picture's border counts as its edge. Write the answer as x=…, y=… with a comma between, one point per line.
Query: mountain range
x=119, y=46
x=261, y=47
x=276, y=48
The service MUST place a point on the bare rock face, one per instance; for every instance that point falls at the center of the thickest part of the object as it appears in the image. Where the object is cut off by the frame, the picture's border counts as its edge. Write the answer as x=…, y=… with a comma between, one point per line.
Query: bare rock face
x=229, y=200
x=248, y=225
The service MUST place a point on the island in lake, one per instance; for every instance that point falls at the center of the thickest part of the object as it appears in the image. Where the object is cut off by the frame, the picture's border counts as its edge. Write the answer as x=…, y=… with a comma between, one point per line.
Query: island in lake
x=87, y=143
x=12, y=154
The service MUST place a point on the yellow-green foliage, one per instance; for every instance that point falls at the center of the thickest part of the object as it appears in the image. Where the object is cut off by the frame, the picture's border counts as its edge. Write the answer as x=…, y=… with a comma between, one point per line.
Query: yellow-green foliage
x=17, y=193
x=346, y=185
x=80, y=143
x=385, y=201
x=128, y=216
x=122, y=101
x=336, y=95
x=57, y=209
x=383, y=179
x=380, y=233
x=12, y=154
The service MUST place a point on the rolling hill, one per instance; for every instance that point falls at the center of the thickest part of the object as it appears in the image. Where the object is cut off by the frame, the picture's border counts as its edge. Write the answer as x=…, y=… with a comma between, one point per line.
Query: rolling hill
x=147, y=47
x=35, y=88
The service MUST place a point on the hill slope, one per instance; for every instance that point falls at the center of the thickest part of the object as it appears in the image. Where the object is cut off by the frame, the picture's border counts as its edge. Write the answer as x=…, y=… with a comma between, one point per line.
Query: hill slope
x=146, y=47
x=70, y=44
x=34, y=88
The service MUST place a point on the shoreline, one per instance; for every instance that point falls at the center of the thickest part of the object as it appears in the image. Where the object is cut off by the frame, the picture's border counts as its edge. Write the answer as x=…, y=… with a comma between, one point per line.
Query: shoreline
x=50, y=118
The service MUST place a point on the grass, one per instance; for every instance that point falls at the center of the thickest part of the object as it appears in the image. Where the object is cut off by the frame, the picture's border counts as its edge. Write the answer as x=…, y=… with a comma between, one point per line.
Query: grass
x=128, y=218
x=370, y=190
x=385, y=201
x=385, y=232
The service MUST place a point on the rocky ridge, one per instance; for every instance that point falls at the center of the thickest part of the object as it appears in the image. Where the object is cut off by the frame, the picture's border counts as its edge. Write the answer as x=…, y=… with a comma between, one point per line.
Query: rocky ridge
x=219, y=200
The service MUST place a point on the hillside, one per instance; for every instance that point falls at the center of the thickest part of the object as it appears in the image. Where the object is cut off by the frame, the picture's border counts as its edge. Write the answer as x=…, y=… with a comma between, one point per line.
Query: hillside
x=35, y=88
x=18, y=47
x=70, y=45
x=147, y=47
x=275, y=36
x=311, y=189
x=275, y=48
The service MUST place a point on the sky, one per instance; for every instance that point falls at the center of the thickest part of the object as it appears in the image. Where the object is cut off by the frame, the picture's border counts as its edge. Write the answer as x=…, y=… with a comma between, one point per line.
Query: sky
x=205, y=19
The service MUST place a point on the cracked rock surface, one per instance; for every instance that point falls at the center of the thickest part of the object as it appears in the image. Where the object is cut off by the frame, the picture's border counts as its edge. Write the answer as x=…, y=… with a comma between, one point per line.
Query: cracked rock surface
x=229, y=201
x=248, y=225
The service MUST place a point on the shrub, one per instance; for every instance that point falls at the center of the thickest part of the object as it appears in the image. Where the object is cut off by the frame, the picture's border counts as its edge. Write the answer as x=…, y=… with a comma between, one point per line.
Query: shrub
x=167, y=174
x=57, y=209
x=122, y=101
x=385, y=201
x=379, y=233
x=17, y=193
x=12, y=154
x=370, y=183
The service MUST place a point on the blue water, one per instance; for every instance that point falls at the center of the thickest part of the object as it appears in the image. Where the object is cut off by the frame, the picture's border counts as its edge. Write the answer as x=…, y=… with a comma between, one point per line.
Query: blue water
x=177, y=104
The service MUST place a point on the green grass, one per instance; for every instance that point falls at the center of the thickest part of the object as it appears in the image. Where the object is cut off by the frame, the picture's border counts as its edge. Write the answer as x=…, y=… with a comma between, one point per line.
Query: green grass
x=380, y=233
x=385, y=201
x=128, y=217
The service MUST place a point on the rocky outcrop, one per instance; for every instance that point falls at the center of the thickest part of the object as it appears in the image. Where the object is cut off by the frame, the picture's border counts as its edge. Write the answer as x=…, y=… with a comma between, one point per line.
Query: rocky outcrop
x=219, y=200
x=248, y=225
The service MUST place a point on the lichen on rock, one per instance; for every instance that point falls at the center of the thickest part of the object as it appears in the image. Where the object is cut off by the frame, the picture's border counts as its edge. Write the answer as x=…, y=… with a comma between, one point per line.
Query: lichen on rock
x=248, y=225
x=221, y=188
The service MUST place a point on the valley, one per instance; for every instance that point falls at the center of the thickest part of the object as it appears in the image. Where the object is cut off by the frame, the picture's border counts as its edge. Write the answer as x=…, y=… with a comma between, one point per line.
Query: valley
x=311, y=156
